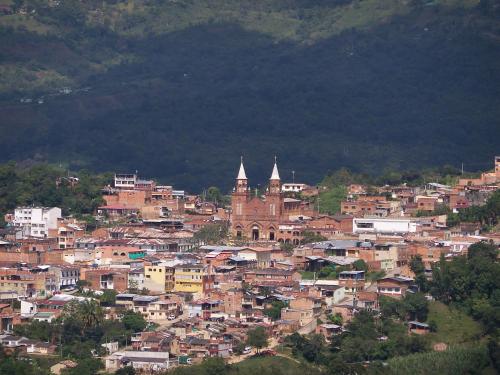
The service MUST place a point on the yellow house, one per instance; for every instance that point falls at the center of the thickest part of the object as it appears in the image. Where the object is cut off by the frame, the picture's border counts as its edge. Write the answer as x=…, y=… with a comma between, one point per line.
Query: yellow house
x=190, y=278
x=159, y=278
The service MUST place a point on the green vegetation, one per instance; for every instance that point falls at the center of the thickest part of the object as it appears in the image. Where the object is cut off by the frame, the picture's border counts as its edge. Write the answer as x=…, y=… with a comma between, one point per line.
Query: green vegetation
x=212, y=234
x=452, y=325
x=311, y=237
x=471, y=283
x=251, y=366
x=414, y=306
x=257, y=337
x=274, y=312
x=47, y=185
x=21, y=365
x=307, y=275
x=487, y=215
x=80, y=331
x=456, y=360
x=323, y=84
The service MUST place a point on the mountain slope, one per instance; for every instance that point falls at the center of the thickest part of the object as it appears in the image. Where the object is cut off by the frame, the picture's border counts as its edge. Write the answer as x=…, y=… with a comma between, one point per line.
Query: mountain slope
x=180, y=89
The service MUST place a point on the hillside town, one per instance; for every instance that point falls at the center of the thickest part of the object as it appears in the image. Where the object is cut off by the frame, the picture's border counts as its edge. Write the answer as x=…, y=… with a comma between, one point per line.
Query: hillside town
x=205, y=275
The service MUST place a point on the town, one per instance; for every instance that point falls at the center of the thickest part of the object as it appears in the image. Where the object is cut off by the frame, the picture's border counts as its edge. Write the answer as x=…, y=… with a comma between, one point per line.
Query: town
x=171, y=279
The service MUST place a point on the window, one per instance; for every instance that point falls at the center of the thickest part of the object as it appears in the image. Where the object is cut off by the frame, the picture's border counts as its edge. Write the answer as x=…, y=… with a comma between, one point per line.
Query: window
x=364, y=225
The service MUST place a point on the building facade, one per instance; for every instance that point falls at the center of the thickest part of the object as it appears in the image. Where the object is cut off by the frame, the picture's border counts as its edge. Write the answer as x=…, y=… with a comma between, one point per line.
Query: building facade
x=256, y=217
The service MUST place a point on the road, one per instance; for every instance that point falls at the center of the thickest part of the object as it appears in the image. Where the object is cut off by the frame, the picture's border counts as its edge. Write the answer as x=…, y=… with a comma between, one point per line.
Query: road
x=162, y=324
x=273, y=343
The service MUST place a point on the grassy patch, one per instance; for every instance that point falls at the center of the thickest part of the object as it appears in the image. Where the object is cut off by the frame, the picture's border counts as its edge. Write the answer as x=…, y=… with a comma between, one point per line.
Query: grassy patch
x=453, y=326
x=456, y=360
x=307, y=275
x=275, y=365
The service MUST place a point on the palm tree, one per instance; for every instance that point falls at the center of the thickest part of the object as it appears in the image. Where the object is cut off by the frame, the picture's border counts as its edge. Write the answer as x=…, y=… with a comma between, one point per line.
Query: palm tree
x=87, y=312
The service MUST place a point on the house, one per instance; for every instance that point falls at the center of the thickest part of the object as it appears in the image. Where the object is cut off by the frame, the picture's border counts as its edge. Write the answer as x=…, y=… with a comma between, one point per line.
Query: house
x=101, y=279
x=272, y=277
x=384, y=225
x=352, y=281
x=262, y=256
x=418, y=327
x=140, y=360
x=328, y=330
x=192, y=278
x=36, y=221
x=159, y=278
x=395, y=286
x=304, y=317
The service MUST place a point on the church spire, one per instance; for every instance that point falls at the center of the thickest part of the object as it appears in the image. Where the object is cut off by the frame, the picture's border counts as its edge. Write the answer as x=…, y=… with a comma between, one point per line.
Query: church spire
x=241, y=174
x=275, y=175
x=241, y=180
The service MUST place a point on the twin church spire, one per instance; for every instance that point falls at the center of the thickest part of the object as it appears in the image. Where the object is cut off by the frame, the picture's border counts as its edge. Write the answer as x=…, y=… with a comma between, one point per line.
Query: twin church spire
x=243, y=176
x=274, y=181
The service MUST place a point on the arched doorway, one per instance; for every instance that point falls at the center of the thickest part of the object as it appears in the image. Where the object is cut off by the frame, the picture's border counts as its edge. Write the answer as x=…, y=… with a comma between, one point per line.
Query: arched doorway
x=255, y=233
x=272, y=235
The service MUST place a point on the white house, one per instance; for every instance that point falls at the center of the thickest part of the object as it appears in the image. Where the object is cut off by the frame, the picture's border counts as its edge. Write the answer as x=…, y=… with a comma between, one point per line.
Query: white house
x=125, y=181
x=383, y=225
x=141, y=361
x=292, y=187
x=36, y=221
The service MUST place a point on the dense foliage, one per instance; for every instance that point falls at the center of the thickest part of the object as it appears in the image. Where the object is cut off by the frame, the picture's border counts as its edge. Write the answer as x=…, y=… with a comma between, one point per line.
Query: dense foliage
x=471, y=283
x=47, y=185
x=81, y=330
x=185, y=87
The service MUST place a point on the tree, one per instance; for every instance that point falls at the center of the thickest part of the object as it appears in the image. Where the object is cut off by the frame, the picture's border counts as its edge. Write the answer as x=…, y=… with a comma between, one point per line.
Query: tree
x=108, y=297
x=360, y=265
x=214, y=195
x=212, y=234
x=336, y=319
x=274, y=312
x=313, y=349
x=417, y=306
x=483, y=249
x=418, y=268
x=82, y=284
x=127, y=370
x=134, y=321
x=257, y=338
x=88, y=313
x=310, y=237
x=287, y=248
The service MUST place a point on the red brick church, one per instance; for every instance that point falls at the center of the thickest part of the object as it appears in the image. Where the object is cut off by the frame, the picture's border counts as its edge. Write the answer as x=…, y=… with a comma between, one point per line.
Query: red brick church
x=264, y=217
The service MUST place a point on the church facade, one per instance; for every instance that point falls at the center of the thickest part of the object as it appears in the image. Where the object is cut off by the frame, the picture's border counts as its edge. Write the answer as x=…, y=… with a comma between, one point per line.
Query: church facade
x=263, y=218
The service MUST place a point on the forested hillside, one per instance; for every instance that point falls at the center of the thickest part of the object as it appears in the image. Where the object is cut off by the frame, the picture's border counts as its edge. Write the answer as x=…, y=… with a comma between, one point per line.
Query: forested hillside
x=179, y=89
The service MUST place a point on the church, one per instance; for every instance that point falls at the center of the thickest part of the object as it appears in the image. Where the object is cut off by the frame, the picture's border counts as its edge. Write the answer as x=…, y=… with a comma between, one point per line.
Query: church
x=264, y=218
